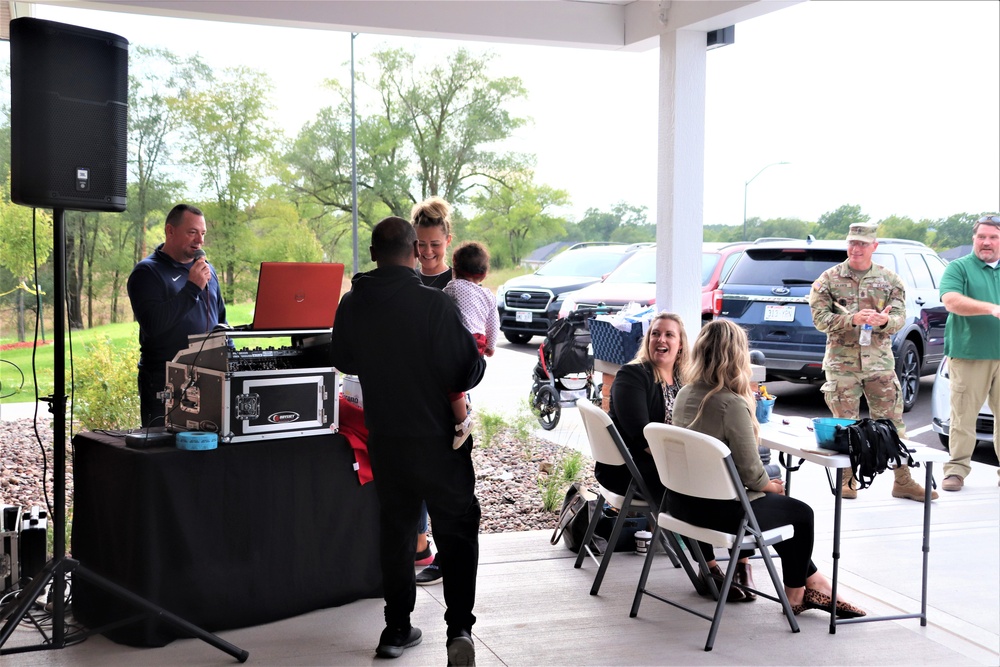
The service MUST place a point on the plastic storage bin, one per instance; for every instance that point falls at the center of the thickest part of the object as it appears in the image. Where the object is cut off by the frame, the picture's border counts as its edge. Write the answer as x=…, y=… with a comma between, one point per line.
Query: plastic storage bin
x=614, y=345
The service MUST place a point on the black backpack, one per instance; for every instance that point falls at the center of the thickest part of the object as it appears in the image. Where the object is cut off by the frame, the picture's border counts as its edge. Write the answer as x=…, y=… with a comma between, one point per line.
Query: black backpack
x=874, y=446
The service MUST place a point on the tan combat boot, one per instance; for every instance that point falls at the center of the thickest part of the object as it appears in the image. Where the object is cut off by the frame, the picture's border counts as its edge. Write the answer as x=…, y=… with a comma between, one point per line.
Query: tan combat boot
x=906, y=487
x=849, y=485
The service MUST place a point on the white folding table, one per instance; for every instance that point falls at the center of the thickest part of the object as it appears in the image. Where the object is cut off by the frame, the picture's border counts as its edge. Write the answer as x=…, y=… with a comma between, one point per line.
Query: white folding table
x=792, y=438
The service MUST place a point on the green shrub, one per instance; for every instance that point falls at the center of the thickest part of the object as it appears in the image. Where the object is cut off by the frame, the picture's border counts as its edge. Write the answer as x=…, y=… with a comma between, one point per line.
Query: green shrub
x=571, y=466
x=488, y=425
x=106, y=395
x=554, y=484
x=523, y=421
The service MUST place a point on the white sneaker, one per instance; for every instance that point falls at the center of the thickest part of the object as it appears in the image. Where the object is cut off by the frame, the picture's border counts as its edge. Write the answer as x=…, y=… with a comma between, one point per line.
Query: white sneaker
x=462, y=432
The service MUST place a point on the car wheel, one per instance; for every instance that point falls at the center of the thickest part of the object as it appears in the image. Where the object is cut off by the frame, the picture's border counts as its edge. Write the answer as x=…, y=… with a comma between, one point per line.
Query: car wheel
x=545, y=405
x=516, y=338
x=944, y=440
x=908, y=372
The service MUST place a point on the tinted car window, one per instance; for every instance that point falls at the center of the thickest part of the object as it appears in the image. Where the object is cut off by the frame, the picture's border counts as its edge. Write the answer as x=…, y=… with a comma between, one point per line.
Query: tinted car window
x=783, y=266
x=936, y=265
x=886, y=260
x=728, y=266
x=581, y=264
x=709, y=260
x=639, y=268
x=921, y=274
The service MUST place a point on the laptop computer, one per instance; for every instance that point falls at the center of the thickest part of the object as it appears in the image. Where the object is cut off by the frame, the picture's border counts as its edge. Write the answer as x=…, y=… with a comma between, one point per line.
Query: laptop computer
x=297, y=295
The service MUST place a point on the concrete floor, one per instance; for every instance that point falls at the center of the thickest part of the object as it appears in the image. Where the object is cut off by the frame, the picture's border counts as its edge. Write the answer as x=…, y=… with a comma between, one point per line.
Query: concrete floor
x=534, y=607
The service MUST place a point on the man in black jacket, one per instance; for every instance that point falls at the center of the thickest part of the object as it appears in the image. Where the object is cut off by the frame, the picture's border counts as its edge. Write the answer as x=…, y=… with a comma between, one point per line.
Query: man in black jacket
x=408, y=347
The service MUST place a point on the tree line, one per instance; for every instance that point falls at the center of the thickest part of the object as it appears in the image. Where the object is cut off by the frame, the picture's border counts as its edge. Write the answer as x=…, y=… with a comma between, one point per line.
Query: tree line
x=207, y=136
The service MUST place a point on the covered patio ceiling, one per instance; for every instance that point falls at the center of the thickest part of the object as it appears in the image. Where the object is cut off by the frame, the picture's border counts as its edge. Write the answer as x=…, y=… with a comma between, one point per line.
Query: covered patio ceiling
x=633, y=25
x=677, y=28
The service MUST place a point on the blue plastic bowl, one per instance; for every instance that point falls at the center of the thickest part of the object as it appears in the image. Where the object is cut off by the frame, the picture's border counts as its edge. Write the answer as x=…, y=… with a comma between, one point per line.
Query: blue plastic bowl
x=826, y=427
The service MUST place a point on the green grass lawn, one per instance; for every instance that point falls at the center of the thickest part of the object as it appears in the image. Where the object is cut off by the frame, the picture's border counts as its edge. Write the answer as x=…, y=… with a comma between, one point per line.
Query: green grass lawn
x=123, y=336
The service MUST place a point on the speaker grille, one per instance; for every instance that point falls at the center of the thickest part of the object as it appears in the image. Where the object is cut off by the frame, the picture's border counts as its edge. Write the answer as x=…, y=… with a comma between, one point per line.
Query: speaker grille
x=69, y=92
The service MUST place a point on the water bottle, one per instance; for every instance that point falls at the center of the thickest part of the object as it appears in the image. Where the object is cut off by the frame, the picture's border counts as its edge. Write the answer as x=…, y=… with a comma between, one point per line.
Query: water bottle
x=865, y=338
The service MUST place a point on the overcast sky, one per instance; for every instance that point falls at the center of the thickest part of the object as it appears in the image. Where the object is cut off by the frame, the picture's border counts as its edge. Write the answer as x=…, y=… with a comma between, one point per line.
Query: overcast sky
x=894, y=106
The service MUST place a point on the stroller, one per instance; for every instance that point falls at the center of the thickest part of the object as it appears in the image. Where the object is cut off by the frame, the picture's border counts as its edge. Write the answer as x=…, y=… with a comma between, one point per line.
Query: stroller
x=565, y=368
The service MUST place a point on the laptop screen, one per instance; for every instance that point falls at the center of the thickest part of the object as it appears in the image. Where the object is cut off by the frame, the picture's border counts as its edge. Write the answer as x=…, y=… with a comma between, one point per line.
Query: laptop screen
x=297, y=295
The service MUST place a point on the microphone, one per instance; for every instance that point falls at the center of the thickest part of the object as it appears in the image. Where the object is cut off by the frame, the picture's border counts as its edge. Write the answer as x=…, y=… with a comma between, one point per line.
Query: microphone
x=198, y=254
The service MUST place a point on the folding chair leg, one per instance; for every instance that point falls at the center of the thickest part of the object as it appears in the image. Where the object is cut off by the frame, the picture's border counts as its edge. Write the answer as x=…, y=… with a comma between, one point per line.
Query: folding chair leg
x=779, y=587
x=727, y=583
x=685, y=562
x=616, y=531
x=640, y=588
x=589, y=535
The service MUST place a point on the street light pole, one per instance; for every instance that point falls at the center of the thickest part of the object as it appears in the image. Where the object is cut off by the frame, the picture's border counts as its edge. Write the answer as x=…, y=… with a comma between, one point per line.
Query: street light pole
x=747, y=185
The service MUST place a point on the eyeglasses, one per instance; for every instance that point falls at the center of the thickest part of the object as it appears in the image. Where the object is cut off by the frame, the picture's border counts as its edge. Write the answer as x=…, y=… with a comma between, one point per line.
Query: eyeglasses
x=858, y=244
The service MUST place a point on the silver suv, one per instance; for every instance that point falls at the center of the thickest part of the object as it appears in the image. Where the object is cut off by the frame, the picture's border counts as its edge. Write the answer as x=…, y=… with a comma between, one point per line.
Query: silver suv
x=529, y=305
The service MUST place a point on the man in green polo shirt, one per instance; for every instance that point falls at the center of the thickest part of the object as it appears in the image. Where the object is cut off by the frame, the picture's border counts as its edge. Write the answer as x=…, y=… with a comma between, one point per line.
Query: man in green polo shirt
x=970, y=290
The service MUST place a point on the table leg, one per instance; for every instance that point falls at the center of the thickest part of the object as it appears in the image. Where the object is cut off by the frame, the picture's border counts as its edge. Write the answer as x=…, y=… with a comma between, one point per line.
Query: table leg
x=838, y=496
x=928, y=479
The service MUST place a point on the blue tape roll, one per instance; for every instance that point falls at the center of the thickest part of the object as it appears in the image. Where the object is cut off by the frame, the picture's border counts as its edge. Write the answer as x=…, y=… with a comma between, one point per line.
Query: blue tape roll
x=197, y=441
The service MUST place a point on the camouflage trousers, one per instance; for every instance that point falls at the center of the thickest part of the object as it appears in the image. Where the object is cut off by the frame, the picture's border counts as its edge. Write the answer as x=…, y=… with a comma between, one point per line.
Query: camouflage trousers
x=843, y=391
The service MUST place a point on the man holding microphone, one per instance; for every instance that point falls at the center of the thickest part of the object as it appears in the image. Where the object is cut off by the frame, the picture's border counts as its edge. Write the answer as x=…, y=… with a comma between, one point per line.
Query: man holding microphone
x=174, y=293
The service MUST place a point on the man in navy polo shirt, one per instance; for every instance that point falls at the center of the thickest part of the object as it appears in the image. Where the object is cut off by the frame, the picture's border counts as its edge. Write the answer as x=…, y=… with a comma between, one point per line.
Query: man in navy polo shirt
x=970, y=290
x=174, y=293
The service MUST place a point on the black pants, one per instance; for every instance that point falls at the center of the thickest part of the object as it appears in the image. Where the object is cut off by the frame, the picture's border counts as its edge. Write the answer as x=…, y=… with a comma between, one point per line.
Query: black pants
x=772, y=510
x=407, y=471
x=151, y=381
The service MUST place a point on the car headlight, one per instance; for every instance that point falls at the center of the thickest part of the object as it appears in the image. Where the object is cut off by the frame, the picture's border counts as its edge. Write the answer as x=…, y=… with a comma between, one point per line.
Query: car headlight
x=569, y=305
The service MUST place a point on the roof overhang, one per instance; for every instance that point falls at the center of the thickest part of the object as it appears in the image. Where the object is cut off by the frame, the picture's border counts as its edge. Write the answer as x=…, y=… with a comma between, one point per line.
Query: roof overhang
x=633, y=25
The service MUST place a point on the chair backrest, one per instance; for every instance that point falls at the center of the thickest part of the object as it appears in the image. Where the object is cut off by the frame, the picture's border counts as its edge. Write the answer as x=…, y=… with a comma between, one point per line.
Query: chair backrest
x=596, y=423
x=692, y=463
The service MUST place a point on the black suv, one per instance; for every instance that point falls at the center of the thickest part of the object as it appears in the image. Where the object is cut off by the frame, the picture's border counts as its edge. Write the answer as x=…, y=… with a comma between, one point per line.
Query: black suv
x=767, y=293
x=529, y=304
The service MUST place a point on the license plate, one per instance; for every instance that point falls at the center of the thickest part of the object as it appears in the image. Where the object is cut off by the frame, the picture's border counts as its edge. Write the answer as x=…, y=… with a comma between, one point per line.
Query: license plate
x=523, y=316
x=779, y=313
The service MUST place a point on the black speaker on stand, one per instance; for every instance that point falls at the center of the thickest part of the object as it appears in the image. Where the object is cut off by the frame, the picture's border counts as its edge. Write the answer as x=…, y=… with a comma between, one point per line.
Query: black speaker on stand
x=69, y=142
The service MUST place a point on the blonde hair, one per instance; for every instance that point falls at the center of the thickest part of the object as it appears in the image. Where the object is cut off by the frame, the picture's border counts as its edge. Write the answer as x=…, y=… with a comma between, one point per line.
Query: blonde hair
x=722, y=361
x=683, y=359
x=432, y=212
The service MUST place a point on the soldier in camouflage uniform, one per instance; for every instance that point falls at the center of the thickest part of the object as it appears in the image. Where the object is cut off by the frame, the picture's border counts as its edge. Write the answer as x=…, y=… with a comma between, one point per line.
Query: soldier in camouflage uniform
x=843, y=300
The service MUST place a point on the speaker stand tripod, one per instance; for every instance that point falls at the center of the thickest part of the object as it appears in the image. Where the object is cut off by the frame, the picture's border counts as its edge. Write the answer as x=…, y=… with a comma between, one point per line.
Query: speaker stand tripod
x=55, y=570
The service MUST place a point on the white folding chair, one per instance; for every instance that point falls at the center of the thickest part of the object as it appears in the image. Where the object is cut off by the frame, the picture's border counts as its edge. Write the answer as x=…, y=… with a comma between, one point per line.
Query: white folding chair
x=607, y=447
x=701, y=466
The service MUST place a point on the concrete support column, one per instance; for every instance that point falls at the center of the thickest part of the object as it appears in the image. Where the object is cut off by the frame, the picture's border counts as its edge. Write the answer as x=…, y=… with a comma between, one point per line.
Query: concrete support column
x=681, y=167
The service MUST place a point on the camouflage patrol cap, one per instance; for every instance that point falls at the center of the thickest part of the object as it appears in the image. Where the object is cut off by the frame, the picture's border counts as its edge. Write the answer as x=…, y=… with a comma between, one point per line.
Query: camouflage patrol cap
x=863, y=231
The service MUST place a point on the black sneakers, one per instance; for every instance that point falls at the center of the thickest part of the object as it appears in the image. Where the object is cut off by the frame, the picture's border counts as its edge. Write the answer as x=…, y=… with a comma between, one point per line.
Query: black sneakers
x=430, y=575
x=394, y=640
x=461, y=650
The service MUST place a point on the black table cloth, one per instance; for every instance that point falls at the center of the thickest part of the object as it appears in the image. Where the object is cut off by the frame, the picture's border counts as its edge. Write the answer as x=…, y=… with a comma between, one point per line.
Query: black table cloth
x=237, y=536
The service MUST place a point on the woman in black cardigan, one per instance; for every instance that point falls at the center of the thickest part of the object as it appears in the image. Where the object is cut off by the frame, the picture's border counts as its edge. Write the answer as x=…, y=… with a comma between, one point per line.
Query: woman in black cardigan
x=643, y=392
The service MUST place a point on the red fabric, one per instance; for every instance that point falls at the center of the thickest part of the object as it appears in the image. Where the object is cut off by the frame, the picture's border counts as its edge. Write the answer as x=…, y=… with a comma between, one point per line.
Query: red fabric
x=352, y=427
x=481, y=346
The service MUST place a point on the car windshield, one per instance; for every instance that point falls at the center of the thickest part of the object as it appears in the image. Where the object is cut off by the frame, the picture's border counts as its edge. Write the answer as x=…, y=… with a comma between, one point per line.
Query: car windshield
x=708, y=262
x=639, y=268
x=584, y=264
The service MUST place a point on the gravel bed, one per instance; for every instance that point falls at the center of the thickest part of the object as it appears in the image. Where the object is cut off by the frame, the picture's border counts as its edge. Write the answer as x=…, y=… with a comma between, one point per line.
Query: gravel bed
x=508, y=474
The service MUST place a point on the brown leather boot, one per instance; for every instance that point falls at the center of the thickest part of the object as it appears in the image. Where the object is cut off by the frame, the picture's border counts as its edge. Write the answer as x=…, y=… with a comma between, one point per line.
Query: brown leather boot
x=735, y=594
x=849, y=485
x=744, y=577
x=906, y=487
